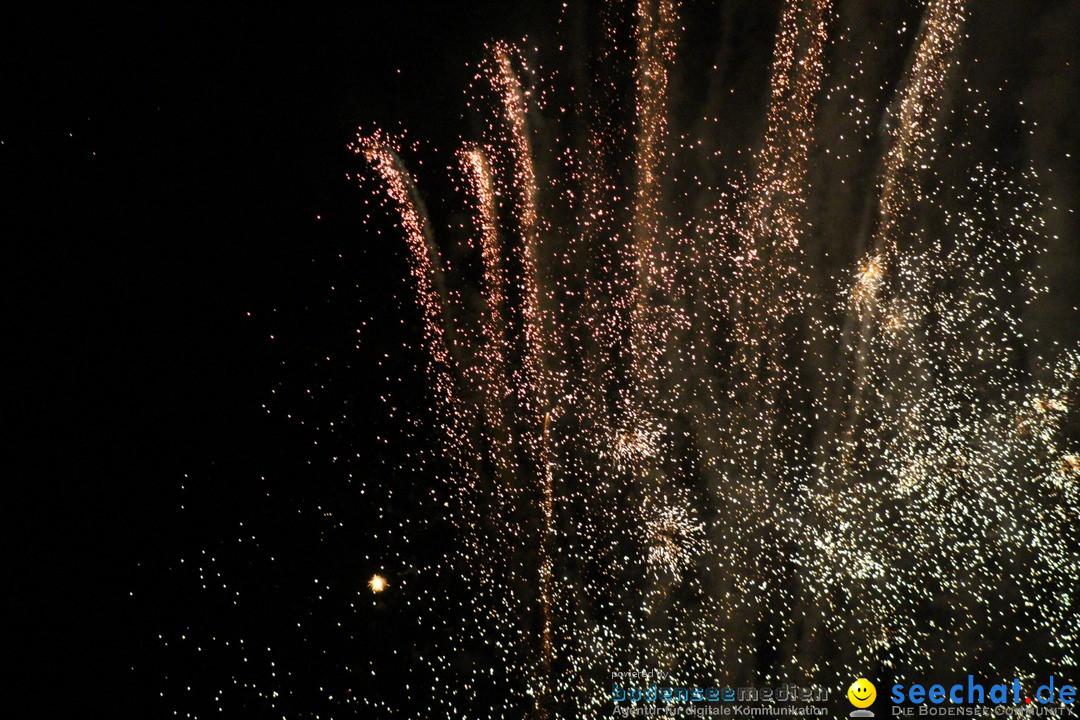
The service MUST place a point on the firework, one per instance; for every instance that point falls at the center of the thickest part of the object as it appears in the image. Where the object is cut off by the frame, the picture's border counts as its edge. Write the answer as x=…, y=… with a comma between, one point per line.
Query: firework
x=674, y=445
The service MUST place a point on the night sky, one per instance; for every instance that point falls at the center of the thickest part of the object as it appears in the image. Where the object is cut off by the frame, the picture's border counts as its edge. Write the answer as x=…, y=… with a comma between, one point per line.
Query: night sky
x=165, y=168
x=184, y=251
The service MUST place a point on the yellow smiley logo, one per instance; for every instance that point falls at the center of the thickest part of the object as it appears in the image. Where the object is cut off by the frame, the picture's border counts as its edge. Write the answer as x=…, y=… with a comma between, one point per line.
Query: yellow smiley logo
x=862, y=693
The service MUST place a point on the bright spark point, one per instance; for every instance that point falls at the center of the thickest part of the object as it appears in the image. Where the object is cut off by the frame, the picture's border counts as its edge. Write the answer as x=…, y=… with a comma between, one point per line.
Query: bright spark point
x=377, y=583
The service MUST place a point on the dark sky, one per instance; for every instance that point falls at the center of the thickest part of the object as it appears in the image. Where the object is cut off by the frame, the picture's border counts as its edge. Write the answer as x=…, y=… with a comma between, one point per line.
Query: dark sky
x=164, y=168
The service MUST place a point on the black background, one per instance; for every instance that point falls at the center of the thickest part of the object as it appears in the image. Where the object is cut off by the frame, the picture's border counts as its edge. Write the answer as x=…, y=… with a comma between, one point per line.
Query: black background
x=164, y=167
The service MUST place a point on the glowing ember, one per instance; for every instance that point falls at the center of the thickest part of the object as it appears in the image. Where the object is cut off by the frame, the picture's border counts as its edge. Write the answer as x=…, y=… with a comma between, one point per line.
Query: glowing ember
x=377, y=583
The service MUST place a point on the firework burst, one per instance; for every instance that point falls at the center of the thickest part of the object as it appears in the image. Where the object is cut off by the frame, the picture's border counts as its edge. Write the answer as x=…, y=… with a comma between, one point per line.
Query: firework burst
x=676, y=441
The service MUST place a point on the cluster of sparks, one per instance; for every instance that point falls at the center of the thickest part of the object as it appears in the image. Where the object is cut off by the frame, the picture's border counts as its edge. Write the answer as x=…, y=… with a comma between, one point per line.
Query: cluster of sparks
x=675, y=438
x=710, y=462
